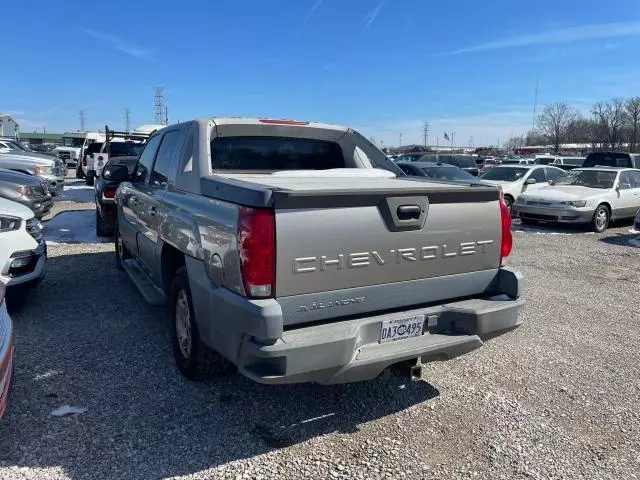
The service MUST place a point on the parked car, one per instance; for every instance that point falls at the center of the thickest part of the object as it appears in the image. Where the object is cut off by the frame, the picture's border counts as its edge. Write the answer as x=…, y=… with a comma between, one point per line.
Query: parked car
x=515, y=179
x=28, y=190
x=49, y=169
x=592, y=196
x=298, y=252
x=105, y=192
x=636, y=222
x=612, y=159
x=43, y=148
x=87, y=156
x=465, y=162
x=518, y=161
x=568, y=163
x=6, y=351
x=488, y=164
x=23, y=252
x=410, y=157
x=437, y=171
x=97, y=161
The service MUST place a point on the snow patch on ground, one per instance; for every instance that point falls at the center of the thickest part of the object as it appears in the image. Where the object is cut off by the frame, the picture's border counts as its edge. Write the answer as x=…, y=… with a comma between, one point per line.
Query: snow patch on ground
x=76, y=193
x=635, y=242
x=73, y=227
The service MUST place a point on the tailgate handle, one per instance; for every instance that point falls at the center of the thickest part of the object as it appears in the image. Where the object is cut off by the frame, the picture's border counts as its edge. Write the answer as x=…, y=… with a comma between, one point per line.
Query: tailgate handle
x=409, y=212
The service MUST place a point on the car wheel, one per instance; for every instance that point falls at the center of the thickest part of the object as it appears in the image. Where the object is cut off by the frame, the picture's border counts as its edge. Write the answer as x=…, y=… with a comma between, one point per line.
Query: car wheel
x=102, y=228
x=600, y=220
x=193, y=358
x=122, y=253
x=88, y=180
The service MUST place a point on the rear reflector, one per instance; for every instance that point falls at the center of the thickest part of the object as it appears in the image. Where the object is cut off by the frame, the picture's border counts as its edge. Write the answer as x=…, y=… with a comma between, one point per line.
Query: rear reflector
x=507, y=237
x=283, y=122
x=109, y=193
x=257, y=249
x=100, y=158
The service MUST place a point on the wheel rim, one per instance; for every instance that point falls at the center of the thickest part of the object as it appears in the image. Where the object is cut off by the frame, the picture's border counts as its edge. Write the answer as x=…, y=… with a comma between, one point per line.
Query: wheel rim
x=183, y=324
x=601, y=219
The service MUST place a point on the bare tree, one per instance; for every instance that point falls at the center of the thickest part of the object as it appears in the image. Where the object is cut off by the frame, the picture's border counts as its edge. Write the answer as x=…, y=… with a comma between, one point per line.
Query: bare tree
x=515, y=142
x=534, y=138
x=554, y=123
x=632, y=107
x=583, y=130
x=612, y=118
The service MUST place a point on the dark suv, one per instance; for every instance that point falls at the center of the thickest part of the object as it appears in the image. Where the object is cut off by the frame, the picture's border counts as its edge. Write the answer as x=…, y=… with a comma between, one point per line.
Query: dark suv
x=465, y=162
x=612, y=159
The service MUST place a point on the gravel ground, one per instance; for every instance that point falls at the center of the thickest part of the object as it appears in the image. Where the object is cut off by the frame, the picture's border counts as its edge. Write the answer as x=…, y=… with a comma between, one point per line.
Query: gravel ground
x=557, y=398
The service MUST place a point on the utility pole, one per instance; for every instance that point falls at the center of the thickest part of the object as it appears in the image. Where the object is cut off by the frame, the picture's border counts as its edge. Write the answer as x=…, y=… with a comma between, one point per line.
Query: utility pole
x=83, y=118
x=160, y=107
x=400, y=139
x=425, y=132
x=535, y=107
x=127, y=120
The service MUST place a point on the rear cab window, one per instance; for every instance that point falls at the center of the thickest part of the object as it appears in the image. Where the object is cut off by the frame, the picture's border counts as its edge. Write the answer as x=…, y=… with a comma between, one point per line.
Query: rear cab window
x=604, y=159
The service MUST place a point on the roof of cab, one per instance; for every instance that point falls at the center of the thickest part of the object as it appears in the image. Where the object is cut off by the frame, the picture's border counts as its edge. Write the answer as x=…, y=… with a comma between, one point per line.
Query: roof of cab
x=271, y=121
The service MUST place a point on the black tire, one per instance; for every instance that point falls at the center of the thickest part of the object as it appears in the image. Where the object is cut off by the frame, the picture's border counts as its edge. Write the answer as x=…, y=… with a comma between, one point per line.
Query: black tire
x=509, y=201
x=122, y=253
x=103, y=229
x=89, y=180
x=194, y=359
x=79, y=173
x=601, y=219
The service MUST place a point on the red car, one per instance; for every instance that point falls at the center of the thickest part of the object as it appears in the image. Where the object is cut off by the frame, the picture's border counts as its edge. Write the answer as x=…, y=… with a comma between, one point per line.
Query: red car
x=6, y=351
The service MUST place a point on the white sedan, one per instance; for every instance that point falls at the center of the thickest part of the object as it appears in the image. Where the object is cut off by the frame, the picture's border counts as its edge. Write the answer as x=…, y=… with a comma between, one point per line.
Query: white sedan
x=23, y=253
x=585, y=195
x=516, y=179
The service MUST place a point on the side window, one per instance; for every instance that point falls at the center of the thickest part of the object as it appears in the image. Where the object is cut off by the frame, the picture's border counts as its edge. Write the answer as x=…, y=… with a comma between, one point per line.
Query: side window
x=625, y=179
x=406, y=169
x=143, y=168
x=553, y=173
x=167, y=152
x=635, y=179
x=538, y=174
x=186, y=165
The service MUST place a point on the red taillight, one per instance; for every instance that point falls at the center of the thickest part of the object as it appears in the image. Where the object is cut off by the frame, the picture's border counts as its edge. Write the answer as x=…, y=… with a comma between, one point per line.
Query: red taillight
x=507, y=238
x=257, y=249
x=282, y=122
x=109, y=193
x=100, y=158
x=84, y=162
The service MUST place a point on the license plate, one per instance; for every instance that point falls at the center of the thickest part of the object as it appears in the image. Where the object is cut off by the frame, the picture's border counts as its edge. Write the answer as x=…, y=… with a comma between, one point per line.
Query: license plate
x=401, y=328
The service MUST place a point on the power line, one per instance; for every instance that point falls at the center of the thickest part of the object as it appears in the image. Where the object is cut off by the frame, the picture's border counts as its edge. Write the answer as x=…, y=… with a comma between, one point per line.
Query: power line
x=425, y=131
x=83, y=119
x=127, y=120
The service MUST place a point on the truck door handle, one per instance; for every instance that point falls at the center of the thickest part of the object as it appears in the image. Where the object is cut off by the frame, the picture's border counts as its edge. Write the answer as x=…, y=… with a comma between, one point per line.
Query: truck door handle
x=152, y=211
x=409, y=212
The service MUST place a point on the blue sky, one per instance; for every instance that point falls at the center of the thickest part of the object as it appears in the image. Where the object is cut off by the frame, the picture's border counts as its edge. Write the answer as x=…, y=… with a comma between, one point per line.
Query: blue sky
x=381, y=66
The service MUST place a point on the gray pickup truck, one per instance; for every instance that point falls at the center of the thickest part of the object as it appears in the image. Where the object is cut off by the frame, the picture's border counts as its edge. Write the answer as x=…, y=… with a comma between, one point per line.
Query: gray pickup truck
x=300, y=253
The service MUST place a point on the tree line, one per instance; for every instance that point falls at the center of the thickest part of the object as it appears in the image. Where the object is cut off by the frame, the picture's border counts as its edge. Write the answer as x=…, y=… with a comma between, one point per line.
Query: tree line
x=613, y=124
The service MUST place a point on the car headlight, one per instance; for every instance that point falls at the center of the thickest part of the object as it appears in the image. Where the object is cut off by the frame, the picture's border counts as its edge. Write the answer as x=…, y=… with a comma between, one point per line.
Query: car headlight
x=29, y=191
x=9, y=224
x=576, y=203
x=44, y=170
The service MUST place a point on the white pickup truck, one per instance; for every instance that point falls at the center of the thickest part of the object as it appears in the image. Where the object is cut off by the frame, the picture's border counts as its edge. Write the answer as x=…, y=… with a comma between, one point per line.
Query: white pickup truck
x=300, y=253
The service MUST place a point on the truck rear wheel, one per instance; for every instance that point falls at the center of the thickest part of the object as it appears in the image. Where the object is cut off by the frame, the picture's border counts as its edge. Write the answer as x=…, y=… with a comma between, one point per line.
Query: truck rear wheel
x=194, y=359
x=121, y=250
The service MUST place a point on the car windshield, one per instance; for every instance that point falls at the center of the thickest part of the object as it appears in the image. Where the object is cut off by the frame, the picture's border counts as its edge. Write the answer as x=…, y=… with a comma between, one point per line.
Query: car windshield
x=94, y=147
x=544, y=161
x=125, y=148
x=588, y=178
x=72, y=142
x=447, y=172
x=504, y=174
x=274, y=153
x=464, y=161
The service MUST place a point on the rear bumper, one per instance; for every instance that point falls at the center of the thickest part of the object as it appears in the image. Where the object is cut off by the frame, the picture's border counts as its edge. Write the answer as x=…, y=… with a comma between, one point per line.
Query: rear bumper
x=250, y=333
x=548, y=214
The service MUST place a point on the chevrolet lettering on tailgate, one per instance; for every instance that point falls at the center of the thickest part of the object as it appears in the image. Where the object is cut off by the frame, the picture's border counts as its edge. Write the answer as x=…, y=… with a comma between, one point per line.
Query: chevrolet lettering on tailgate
x=400, y=255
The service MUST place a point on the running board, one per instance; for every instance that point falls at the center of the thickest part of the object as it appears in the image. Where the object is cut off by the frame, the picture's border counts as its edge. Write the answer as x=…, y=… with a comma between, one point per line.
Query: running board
x=149, y=291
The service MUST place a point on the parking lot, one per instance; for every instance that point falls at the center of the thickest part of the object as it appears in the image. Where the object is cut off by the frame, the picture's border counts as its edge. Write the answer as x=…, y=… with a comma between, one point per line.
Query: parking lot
x=557, y=398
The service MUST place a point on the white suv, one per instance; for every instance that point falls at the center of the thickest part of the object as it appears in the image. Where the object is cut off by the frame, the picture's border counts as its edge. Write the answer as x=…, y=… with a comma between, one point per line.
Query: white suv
x=23, y=252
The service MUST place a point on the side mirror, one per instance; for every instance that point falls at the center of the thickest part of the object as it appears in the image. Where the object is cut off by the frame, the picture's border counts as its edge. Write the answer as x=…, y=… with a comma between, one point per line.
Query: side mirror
x=115, y=173
x=530, y=181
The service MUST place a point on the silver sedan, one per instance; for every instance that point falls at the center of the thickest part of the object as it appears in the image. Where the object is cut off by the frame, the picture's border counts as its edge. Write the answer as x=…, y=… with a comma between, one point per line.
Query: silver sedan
x=592, y=196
